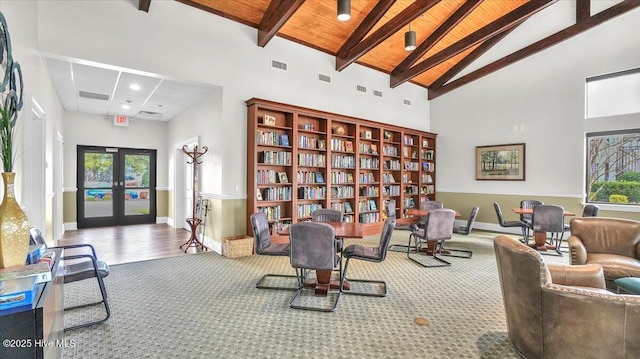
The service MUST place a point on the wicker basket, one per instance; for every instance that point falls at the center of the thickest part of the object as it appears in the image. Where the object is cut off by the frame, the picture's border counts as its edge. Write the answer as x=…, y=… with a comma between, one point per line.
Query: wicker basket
x=237, y=246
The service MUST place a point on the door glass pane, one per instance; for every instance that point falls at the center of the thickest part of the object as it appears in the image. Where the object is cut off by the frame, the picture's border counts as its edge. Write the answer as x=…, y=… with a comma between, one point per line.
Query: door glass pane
x=137, y=169
x=98, y=178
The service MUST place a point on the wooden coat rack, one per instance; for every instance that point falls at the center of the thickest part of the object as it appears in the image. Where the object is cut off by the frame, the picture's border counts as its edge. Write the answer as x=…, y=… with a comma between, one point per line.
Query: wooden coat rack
x=194, y=221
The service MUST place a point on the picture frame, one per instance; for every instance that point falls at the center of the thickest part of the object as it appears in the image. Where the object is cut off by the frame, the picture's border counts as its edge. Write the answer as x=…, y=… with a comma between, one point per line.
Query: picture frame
x=269, y=120
x=282, y=176
x=501, y=162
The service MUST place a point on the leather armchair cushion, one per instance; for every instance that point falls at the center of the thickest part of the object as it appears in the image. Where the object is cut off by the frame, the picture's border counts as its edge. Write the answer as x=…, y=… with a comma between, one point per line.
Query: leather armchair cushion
x=588, y=275
x=616, y=266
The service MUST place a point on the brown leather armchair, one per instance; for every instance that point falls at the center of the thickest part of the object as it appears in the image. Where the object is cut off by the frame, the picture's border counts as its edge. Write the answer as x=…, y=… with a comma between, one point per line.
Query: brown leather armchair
x=563, y=311
x=611, y=242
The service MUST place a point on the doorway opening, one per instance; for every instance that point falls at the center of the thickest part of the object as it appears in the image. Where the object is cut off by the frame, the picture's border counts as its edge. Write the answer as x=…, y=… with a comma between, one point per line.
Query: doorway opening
x=116, y=186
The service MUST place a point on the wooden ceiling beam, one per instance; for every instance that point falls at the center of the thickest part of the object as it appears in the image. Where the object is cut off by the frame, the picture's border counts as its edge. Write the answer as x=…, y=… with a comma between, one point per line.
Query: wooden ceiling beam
x=583, y=10
x=505, y=22
x=365, y=26
x=475, y=54
x=276, y=15
x=579, y=27
x=394, y=25
x=446, y=27
x=143, y=5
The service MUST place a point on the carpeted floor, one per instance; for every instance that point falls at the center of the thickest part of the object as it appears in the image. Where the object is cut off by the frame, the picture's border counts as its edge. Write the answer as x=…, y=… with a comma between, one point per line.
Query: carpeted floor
x=206, y=306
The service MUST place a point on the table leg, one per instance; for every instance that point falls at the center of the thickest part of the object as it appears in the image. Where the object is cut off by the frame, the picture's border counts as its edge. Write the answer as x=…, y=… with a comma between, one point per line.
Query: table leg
x=324, y=283
x=541, y=242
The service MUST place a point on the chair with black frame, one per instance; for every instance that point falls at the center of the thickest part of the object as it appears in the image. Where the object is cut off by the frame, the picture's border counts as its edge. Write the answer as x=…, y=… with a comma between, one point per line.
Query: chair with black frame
x=589, y=210
x=370, y=254
x=325, y=215
x=264, y=246
x=509, y=224
x=428, y=205
x=313, y=248
x=549, y=219
x=439, y=228
x=403, y=224
x=528, y=218
x=81, y=267
x=464, y=230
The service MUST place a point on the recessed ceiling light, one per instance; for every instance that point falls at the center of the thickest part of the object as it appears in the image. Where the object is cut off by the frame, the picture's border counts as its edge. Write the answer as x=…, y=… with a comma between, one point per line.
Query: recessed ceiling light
x=126, y=107
x=134, y=87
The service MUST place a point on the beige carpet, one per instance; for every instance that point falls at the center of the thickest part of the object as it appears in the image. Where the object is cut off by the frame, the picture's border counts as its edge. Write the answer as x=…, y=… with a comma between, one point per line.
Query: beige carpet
x=206, y=306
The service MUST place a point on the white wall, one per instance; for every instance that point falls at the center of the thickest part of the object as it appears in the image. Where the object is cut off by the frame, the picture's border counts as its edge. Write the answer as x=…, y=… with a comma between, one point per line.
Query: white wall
x=22, y=21
x=544, y=96
x=98, y=130
x=185, y=43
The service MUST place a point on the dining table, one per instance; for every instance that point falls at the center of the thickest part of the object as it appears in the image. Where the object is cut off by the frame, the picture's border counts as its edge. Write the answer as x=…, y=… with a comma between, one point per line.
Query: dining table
x=540, y=238
x=323, y=281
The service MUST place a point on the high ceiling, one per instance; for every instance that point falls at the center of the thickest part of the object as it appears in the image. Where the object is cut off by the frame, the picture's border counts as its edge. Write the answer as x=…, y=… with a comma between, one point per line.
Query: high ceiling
x=450, y=34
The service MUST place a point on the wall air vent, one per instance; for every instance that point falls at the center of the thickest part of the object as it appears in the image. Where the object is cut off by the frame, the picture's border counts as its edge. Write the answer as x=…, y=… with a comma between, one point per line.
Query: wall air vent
x=377, y=93
x=324, y=78
x=361, y=88
x=93, y=95
x=407, y=102
x=278, y=65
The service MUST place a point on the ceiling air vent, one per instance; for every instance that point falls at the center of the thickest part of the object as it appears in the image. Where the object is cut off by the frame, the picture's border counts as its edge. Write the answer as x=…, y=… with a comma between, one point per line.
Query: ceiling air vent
x=93, y=95
x=377, y=93
x=148, y=115
x=324, y=78
x=278, y=65
x=407, y=102
x=361, y=88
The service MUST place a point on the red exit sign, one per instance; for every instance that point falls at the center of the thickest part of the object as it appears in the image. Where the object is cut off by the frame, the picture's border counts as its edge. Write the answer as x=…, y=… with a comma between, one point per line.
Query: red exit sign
x=121, y=120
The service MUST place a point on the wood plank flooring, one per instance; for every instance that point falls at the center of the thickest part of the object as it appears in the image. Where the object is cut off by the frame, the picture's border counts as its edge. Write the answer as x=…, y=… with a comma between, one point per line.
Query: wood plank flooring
x=124, y=244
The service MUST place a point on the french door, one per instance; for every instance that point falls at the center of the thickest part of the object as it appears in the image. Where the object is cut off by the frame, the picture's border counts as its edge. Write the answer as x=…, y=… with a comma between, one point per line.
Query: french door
x=116, y=186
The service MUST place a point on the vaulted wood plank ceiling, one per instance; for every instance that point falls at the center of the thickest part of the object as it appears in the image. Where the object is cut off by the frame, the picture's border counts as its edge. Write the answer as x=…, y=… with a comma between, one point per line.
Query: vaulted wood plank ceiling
x=450, y=34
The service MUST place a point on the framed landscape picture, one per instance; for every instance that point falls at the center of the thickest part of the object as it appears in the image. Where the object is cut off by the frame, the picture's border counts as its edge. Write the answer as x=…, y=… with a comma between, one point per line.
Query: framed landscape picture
x=501, y=162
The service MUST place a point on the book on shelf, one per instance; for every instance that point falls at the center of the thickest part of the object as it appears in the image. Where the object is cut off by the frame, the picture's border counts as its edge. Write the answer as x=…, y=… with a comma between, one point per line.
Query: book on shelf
x=372, y=205
x=348, y=146
x=319, y=178
x=374, y=149
x=367, y=134
x=284, y=139
x=349, y=177
x=258, y=194
x=40, y=271
x=321, y=145
x=347, y=207
x=282, y=176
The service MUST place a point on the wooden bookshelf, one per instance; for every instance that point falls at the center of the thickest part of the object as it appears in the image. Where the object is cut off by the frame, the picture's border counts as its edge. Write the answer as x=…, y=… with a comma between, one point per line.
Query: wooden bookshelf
x=332, y=161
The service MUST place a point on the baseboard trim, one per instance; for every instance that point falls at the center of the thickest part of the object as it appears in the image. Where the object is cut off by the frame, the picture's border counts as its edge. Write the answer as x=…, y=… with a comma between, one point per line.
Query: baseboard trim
x=171, y=222
x=162, y=220
x=70, y=226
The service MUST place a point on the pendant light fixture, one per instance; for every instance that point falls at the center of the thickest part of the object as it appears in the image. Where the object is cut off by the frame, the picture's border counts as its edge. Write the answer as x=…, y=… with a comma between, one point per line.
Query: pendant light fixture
x=410, y=40
x=344, y=10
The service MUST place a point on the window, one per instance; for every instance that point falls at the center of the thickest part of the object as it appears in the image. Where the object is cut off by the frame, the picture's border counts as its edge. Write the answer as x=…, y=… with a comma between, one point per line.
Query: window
x=613, y=167
x=613, y=94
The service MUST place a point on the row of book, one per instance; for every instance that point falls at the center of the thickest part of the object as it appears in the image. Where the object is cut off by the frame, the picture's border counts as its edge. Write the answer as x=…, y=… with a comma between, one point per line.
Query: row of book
x=428, y=166
x=342, y=192
x=369, y=191
x=274, y=158
x=272, y=138
x=341, y=145
x=411, y=166
x=388, y=178
x=368, y=149
x=367, y=177
x=305, y=210
x=367, y=206
x=310, y=177
x=267, y=176
x=344, y=207
x=411, y=189
x=274, y=194
x=391, y=190
x=310, y=142
x=343, y=161
x=319, y=192
x=390, y=151
x=425, y=178
x=312, y=159
x=273, y=213
x=341, y=177
x=393, y=165
x=370, y=217
x=369, y=163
